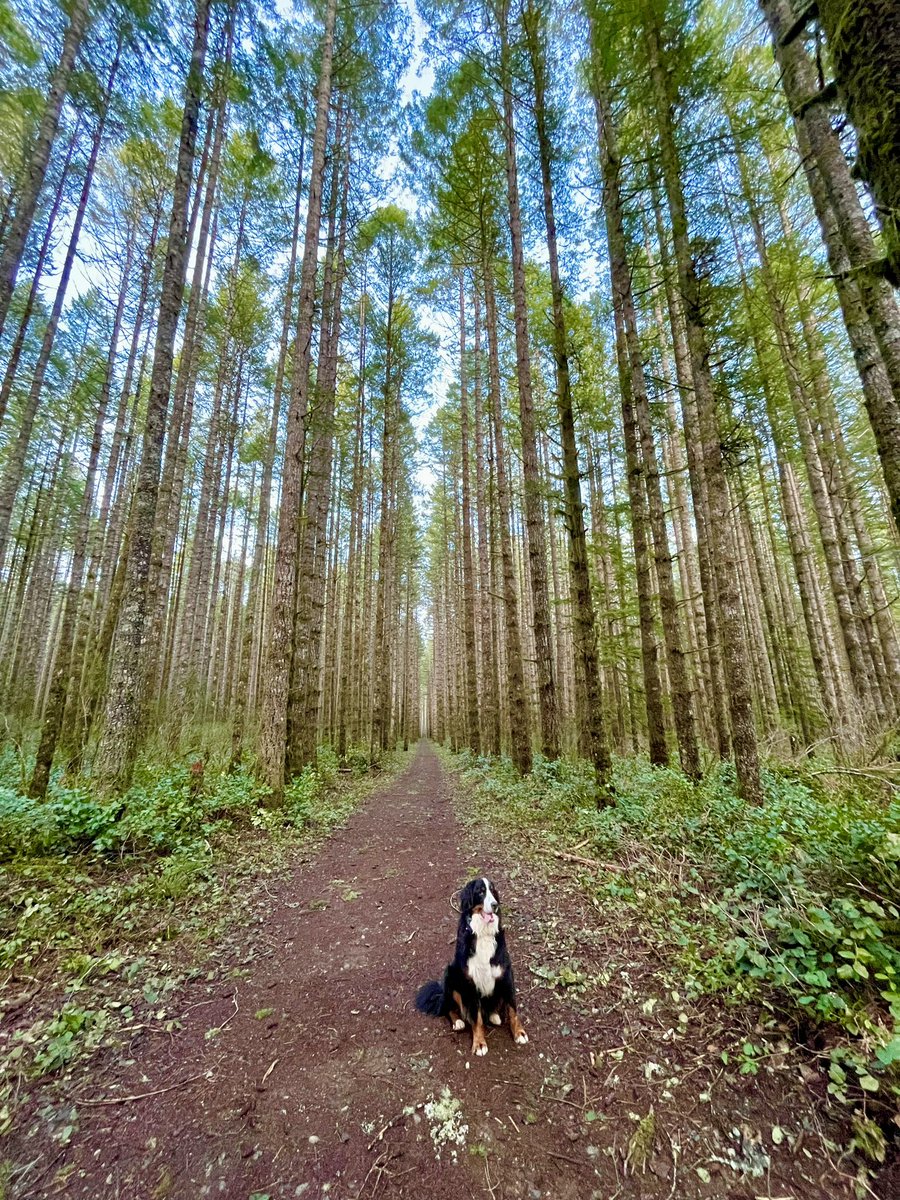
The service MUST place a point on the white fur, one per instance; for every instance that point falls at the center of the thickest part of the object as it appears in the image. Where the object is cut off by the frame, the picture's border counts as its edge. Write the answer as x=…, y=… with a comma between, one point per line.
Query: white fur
x=495, y=1018
x=522, y=1038
x=482, y=1050
x=490, y=900
x=458, y=1024
x=482, y=971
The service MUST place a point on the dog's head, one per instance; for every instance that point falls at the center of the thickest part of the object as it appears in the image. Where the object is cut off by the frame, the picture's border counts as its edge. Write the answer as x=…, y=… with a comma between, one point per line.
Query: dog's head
x=479, y=904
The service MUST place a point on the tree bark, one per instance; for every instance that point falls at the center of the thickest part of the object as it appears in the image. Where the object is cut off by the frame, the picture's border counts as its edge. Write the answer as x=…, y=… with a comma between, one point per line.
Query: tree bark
x=537, y=549
x=580, y=580
x=734, y=648
x=118, y=748
x=682, y=692
x=274, y=716
x=849, y=240
x=26, y=203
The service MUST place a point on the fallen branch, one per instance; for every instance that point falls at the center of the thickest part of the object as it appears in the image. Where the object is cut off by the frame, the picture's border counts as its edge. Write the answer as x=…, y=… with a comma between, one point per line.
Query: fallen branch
x=487, y=1179
x=889, y=771
x=584, y=862
x=378, y=1165
x=234, y=1014
x=565, y=1157
x=141, y=1095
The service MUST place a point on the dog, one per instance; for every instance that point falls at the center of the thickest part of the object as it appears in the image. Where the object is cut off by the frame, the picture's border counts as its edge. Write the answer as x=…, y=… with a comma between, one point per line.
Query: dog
x=478, y=985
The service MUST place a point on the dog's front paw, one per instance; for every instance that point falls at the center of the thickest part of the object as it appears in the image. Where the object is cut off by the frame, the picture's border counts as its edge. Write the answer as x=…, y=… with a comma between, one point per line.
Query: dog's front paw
x=495, y=1019
x=458, y=1024
x=521, y=1037
x=481, y=1050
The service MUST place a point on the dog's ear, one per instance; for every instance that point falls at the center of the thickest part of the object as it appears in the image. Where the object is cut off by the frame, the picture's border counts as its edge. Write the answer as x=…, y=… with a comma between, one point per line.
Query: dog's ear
x=467, y=897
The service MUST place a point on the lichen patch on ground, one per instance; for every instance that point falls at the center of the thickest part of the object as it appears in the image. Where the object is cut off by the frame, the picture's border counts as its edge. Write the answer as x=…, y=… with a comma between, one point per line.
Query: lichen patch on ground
x=308, y=1072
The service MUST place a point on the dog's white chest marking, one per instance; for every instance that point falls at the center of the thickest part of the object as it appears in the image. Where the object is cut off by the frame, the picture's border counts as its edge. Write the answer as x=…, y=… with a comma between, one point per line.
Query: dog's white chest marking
x=481, y=971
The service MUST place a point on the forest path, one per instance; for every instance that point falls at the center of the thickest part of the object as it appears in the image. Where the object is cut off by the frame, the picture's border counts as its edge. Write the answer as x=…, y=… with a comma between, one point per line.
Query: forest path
x=310, y=1074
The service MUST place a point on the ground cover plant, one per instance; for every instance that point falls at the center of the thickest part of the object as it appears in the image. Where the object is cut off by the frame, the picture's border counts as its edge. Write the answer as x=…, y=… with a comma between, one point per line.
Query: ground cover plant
x=107, y=907
x=791, y=906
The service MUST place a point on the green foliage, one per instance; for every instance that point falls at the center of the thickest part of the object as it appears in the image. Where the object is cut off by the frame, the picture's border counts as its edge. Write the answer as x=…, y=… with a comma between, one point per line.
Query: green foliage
x=159, y=815
x=70, y=1032
x=82, y=875
x=327, y=763
x=356, y=760
x=793, y=904
x=312, y=802
x=95, y=892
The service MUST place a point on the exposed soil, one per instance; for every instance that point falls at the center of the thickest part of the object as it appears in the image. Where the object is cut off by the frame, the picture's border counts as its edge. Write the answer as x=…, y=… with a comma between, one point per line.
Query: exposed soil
x=310, y=1074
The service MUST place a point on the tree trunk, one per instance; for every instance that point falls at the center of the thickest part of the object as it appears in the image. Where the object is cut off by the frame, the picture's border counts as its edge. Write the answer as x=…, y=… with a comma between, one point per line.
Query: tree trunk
x=274, y=716
x=849, y=242
x=734, y=648
x=682, y=693
x=869, y=84
x=489, y=678
x=468, y=567
x=580, y=581
x=63, y=677
x=699, y=490
x=537, y=550
x=118, y=747
x=15, y=465
x=15, y=350
x=26, y=202
x=515, y=671
x=313, y=550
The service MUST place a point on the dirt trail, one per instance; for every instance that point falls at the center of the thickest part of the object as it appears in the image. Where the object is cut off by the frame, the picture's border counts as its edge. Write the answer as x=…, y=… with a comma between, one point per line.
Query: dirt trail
x=313, y=1076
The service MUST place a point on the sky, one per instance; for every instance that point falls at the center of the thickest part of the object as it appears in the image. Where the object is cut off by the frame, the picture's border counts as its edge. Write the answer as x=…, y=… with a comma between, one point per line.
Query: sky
x=417, y=80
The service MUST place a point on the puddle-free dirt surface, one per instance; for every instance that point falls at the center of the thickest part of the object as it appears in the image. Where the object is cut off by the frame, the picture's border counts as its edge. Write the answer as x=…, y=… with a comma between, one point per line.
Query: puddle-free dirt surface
x=310, y=1074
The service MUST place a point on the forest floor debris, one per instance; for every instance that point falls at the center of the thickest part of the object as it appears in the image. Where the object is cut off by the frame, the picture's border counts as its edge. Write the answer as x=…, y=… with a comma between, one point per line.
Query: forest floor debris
x=622, y=1092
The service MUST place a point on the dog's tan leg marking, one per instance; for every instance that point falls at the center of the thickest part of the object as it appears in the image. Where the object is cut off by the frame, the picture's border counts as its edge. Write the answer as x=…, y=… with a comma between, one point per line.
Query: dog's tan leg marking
x=516, y=1028
x=456, y=1018
x=479, y=1044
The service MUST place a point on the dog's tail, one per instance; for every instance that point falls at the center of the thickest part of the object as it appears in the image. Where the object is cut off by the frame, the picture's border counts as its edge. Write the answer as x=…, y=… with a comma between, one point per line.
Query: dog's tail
x=431, y=1000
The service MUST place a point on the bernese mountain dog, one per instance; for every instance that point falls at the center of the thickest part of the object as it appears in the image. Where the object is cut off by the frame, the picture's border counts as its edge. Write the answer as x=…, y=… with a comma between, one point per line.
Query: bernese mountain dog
x=478, y=985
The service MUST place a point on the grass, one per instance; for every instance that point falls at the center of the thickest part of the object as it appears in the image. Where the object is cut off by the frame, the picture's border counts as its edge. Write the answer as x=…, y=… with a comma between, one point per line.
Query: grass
x=793, y=906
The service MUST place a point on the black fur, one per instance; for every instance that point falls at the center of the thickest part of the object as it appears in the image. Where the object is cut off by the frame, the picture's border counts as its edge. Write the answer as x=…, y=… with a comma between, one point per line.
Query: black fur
x=436, y=999
x=430, y=1000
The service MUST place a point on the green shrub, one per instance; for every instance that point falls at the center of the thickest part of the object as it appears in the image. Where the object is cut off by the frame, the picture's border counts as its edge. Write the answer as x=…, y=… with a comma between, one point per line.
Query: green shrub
x=159, y=815
x=72, y=1031
x=14, y=772
x=357, y=760
x=181, y=872
x=25, y=827
x=794, y=903
x=327, y=764
x=300, y=796
x=70, y=820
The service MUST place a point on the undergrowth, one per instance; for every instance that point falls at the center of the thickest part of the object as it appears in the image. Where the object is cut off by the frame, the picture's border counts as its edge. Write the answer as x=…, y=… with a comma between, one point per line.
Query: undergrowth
x=793, y=905
x=105, y=906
